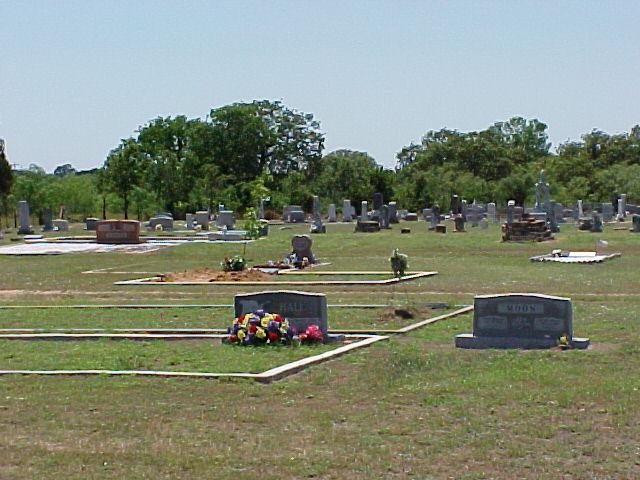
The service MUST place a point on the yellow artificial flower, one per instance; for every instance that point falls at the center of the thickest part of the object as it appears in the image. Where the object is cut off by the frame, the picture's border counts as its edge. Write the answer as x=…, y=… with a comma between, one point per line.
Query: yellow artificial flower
x=260, y=333
x=241, y=334
x=265, y=321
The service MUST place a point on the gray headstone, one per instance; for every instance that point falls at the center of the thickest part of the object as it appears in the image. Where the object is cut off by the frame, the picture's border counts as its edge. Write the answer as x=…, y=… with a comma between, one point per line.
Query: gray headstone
x=580, y=211
x=347, y=211
x=331, y=213
x=61, y=225
x=622, y=206
x=202, y=218
x=364, y=211
x=47, y=220
x=190, y=220
x=596, y=225
x=226, y=218
x=492, y=212
x=393, y=212
x=293, y=214
x=166, y=222
x=607, y=212
x=517, y=320
x=483, y=223
x=511, y=205
x=24, y=220
x=635, y=224
x=301, y=309
x=464, y=209
x=384, y=217
x=301, y=245
x=91, y=223
x=458, y=223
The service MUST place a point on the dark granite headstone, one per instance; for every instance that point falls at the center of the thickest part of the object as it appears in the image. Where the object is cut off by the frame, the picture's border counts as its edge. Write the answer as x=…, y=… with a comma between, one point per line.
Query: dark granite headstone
x=47, y=220
x=635, y=224
x=301, y=245
x=301, y=309
x=378, y=201
x=520, y=320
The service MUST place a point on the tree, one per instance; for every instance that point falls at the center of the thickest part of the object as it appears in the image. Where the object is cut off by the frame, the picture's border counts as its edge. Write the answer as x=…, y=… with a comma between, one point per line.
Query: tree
x=63, y=170
x=6, y=179
x=122, y=170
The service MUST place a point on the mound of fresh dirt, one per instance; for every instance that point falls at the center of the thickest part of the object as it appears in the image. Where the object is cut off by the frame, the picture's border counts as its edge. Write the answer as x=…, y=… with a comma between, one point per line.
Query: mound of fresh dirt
x=402, y=314
x=211, y=275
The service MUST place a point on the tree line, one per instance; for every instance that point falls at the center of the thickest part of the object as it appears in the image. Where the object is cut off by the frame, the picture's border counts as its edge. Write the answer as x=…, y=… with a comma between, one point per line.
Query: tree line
x=244, y=152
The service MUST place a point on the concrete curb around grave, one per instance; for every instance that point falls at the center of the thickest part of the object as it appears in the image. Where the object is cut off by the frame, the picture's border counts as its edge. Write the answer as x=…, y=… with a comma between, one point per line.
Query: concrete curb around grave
x=154, y=281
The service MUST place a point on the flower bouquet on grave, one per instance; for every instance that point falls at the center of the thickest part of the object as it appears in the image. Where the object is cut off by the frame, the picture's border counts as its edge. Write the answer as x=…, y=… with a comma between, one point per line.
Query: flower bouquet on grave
x=263, y=328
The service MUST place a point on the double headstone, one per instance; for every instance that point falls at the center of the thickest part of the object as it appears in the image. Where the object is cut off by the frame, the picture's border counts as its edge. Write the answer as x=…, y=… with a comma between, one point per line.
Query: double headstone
x=520, y=320
x=301, y=309
x=24, y=218
x=118, y=231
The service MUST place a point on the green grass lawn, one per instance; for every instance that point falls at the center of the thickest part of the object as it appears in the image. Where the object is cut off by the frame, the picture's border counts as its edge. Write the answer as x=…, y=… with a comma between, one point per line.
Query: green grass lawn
x=413, y=407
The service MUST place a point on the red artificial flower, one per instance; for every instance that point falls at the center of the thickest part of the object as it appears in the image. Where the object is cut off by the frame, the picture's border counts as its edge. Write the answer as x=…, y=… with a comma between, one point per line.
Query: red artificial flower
x=302, y=337
x=273, y=336
x=277, y=318
x=241, y=318
x=252, y=328
x=233, y=338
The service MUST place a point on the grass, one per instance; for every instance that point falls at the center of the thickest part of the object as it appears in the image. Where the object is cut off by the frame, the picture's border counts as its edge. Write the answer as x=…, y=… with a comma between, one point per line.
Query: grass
x=414, y=407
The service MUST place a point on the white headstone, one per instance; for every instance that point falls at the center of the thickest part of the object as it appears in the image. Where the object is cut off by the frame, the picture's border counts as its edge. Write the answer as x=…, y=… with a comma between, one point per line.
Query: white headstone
x=364, y=211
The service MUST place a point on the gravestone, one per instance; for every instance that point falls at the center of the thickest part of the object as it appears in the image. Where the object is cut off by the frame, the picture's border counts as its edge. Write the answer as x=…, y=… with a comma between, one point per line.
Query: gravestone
x=456, y=208
x=463, y=209
x=393, y=212
x=384, y=217
x=596, y=223
x=511, y=205
x=118, y=231
x=542, y=194
x=347, y=211
x=426, y=214
x=411, y=217
x=47, y=220
x=607, y=212
x=491, y=212
x=579, y=210
x=202, y=219
x=331, y=213
x=226, y=219
x=317, y=225
x=301, y=309
x=520, y=320
x=301, y=245
x=473, y=214
x=190, y=220
x=378, y=201
x=364, y=211
x=24, y=218
x=61, y=225
x=483, y=223
x=558, y=212
x=293, y=214
x=368, y=226
x=435, y=216
x=90, y=223
x=458, y=223
x=622, y=206
x=635, y=221
x=165, y=222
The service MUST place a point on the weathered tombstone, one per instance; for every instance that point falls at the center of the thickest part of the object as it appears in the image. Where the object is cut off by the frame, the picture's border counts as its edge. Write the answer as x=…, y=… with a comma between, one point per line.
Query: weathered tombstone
x=635, y=220
x=165, y=222
x=435, y=216
x=91, y=223
x=47, y=220
x=483, y=223
x=61, y=225
x=301, y=245
x=301, y=309
x=455, y=205
x=491, y=212
x=24, y=218
x=331, y=213
x=473, y=214
x=411, y=217
x=464, y=209
x=596, y=225
x=347, y=211
x=364, y=211
x=622, y=206
x=542, y=194
x=580, y=211
x=426, y=214
x=393, y=212
x=190, y=220
x=118, y=231
x=226, y=219
x=520, y=320
x=202, y=219
x=384, y=217
x=511, y=204
x=607, y=212
x=458, y=223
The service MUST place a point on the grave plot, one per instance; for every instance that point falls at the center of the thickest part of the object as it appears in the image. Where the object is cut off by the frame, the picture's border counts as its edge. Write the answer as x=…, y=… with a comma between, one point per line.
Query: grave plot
x=575, y=257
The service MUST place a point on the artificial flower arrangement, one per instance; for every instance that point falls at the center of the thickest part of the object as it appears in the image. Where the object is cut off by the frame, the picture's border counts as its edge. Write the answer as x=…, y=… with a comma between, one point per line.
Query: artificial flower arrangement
x=260, y=328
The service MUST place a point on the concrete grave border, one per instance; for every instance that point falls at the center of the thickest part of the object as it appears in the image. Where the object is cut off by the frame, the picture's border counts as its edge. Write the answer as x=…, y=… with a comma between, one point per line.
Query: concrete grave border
x=153, y=281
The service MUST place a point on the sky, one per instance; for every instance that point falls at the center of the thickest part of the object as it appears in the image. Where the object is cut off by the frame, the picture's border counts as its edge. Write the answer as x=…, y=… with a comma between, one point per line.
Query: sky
x=78, y=76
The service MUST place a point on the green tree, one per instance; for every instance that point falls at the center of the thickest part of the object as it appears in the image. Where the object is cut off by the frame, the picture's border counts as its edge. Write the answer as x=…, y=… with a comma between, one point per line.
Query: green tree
x=6, y=180
x=122, y=170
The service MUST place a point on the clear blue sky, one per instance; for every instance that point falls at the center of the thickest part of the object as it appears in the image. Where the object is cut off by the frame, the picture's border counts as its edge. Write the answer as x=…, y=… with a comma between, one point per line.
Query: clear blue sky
x=76, y=76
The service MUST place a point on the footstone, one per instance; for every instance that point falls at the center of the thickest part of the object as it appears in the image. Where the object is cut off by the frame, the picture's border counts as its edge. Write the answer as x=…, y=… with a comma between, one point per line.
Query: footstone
x=520, y=320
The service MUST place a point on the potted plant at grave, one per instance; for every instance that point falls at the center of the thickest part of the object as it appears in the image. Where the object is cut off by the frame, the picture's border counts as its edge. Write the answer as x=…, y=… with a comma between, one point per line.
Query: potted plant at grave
x=399, y=262
x=236, y=263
